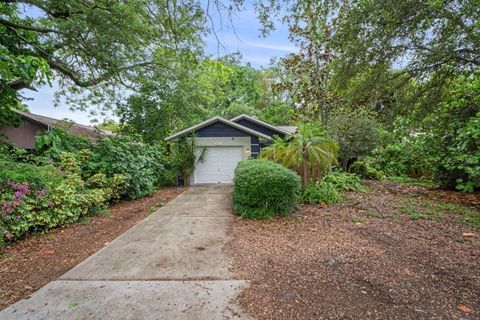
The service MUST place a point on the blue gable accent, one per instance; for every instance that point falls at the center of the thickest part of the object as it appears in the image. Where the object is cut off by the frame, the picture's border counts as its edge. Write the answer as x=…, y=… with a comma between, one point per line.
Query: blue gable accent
x=259, y=128
x=219, y=129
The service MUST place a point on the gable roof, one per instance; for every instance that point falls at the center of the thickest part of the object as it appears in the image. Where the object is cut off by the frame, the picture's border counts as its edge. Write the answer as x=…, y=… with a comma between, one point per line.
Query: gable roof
x=76, y=128
x=217, y=119
x=260, y=122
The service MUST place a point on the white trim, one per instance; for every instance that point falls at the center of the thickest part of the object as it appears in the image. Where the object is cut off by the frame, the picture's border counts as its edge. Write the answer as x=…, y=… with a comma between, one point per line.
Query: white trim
x=260, y=122
x=215, y=119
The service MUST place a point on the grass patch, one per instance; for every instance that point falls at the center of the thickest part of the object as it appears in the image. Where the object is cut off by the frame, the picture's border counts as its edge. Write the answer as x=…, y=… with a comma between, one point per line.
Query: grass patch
x=413, y=213
x=85, y=221
x=411, y=181
x=426, y=210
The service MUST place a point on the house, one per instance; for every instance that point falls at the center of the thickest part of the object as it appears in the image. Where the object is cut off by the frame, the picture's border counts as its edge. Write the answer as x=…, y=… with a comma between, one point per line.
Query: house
x=227, y=142
x=33, y=124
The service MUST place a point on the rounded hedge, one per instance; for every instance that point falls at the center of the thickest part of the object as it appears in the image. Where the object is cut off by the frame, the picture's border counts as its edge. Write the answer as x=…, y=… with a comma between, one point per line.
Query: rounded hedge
x=263, y=189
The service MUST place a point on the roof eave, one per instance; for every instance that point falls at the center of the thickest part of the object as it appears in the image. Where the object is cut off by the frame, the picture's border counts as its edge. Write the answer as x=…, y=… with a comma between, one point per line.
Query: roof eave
x=260, y=122
x=212, y=120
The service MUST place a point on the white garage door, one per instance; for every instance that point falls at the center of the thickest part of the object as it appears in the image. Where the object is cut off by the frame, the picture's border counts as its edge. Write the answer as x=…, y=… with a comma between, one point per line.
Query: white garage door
x=219, y=165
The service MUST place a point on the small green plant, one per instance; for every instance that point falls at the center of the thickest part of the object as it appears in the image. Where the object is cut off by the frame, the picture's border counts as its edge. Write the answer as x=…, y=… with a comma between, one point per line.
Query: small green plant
x=343, y=181
x=459, y=239
x=356, y=219
x=105, y=212
x=373, y=213
x=365, y=169
x=85, y=221
x=72, y=304
x=321, y=193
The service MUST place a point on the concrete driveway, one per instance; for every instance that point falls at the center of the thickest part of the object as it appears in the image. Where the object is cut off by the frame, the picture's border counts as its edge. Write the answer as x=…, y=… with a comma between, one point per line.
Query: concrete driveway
x=168, y=266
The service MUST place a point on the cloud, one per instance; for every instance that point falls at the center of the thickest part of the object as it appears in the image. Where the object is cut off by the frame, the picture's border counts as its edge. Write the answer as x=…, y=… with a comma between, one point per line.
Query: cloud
x=276, y=47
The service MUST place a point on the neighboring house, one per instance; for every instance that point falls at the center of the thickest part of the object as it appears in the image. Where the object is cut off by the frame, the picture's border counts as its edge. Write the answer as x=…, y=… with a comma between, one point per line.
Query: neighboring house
x=33, y=124
x=227, y=142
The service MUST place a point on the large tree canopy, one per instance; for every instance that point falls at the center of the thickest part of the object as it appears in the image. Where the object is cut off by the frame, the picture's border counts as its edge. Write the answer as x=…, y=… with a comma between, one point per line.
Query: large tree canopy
x=92, y=45
x=370, y=43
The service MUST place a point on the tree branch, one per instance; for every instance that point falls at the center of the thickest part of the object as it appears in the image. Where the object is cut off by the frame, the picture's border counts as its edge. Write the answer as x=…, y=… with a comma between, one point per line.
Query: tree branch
x=24, y=27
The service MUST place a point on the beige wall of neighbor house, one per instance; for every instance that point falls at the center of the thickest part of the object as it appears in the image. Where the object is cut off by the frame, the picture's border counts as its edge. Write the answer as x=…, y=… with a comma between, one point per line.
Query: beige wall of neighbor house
x=24, y=135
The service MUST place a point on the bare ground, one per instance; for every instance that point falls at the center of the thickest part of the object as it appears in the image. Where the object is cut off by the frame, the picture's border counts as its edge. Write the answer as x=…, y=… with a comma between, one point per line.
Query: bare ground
x=27, y=265
x=393, y=252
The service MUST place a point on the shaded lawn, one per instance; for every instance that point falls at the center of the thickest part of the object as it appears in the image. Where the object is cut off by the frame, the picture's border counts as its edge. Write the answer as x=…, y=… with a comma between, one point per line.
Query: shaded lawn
x=393, y=252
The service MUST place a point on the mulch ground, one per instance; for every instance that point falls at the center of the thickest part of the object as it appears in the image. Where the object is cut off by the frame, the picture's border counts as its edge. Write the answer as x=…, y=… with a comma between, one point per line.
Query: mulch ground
x=393, y=252
x=27, y=265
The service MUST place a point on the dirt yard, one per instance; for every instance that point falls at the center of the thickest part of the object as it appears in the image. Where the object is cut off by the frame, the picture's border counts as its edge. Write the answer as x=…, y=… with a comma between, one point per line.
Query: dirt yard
x=27, y=265
x=392, y=252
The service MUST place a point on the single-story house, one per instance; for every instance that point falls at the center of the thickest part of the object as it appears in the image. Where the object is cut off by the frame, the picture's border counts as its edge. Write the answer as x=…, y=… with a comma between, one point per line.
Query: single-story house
x=227, y=142
x=33, y=124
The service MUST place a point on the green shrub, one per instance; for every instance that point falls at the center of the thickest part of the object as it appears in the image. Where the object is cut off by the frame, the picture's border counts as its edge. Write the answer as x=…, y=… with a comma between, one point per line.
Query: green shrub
x=322, y=192
x=32, y=203
x=142, y=165
x=343, y=181
x=366, y=170
x=263, y=189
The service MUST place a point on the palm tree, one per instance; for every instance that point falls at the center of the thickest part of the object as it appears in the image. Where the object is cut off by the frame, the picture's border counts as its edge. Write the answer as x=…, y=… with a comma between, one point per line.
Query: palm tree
x=310, y=152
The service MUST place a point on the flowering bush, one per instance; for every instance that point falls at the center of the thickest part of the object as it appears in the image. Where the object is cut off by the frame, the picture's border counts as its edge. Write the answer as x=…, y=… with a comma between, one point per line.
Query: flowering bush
x=30, y=207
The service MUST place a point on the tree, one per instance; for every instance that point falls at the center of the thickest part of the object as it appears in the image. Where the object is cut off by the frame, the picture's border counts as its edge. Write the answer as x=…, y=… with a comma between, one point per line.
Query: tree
x=420, y=40
x=194, y=91
x=357, y=133
x=310, y=152
x=93, y=46
x=186, y=156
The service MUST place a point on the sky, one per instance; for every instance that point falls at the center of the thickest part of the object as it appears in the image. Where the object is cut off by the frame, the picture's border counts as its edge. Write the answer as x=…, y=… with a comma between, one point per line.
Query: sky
x=244, y=38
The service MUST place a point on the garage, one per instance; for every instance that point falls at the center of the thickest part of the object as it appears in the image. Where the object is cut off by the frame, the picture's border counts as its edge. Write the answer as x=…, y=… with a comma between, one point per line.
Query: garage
x=218, y=165
x=226, y=143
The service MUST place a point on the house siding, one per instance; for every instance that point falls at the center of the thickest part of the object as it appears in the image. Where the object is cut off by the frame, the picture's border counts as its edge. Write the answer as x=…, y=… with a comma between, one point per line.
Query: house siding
x=259, y=128
x=219, y=129
x=254, y=141
x=24, y=135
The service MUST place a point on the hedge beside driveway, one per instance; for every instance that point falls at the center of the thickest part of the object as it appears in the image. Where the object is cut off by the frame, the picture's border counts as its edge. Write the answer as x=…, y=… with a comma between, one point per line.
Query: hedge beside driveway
x=263, y=189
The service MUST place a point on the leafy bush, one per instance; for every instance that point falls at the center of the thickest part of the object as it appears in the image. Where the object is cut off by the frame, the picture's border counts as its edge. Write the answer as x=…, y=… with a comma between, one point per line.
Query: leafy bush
x=407, y=156
x=321, y=192
x=343, y=181
x=443, y=144
x=263, y=189
x=328, y=190
x=32, y=203
x=142, y=165
x=57, y=140
x=365, y=169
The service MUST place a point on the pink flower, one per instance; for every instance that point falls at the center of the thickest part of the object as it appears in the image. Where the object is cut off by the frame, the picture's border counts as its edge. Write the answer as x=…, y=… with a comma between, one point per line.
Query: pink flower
x=6, y=208
x=41, y=193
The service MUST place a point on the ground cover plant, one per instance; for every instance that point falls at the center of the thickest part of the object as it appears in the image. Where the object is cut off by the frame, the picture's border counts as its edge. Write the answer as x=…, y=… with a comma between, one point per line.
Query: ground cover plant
x=328, y=190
